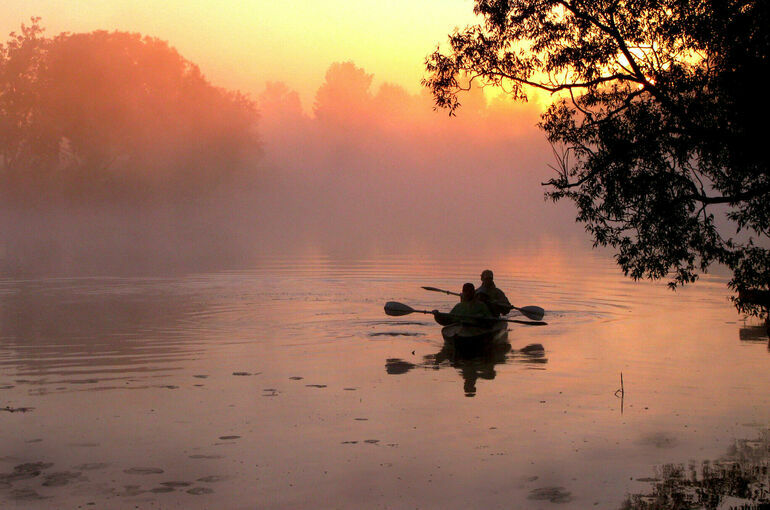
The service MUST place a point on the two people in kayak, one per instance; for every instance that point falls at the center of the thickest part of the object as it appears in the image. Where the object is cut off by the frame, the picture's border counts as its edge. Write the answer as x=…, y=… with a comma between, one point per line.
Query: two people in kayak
x=486, y=302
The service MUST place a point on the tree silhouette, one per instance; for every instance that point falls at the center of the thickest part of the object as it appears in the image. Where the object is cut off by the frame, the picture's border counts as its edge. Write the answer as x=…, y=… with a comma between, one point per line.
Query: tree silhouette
x=345, y=96
x=655, y=123
x=107, y=113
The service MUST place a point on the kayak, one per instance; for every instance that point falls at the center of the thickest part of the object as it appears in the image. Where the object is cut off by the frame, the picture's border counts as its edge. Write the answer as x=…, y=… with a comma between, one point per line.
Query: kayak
x=467, y=336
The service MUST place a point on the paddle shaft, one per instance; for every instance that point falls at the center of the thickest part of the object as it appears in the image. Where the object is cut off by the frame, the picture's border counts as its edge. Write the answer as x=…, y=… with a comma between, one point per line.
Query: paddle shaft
x=529, y=311
x=527, y=323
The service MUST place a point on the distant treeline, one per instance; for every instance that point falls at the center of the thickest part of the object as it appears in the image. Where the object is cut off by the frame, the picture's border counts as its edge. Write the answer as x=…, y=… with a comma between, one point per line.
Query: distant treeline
x=99, y=115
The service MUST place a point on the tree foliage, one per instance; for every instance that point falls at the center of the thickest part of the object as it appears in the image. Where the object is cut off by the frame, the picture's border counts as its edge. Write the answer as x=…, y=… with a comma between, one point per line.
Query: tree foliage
x=657, y=121
x=110, y=113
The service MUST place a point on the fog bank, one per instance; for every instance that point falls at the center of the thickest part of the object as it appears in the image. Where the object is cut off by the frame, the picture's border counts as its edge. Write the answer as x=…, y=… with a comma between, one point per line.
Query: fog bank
x=368, y=171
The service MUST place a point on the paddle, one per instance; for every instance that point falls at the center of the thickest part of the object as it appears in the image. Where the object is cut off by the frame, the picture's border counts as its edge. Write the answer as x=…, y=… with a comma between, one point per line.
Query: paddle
x=531, y=312
x=397, y=309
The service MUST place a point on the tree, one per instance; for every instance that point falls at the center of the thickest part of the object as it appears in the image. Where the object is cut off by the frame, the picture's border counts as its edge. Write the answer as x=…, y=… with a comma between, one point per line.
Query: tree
x=656, y=121
x=105, y=113
x=20, y=62
x=345, y=97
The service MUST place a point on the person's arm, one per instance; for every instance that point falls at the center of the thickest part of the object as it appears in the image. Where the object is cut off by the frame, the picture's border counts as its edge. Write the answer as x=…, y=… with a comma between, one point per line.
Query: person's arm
x=483, y=311
x=502, y=302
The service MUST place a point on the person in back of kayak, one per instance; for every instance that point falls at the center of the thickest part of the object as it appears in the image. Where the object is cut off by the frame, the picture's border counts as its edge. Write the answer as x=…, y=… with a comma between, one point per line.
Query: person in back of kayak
x=494, y=298
x=470, y=307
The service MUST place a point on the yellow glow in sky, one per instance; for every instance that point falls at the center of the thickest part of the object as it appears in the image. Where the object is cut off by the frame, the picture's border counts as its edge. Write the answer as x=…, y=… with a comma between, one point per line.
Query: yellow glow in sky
x=243, y=44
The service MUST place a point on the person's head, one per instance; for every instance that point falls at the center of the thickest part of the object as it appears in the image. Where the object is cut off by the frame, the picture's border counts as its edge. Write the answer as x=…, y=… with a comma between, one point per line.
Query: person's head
x=468, y=292
x=487, y=276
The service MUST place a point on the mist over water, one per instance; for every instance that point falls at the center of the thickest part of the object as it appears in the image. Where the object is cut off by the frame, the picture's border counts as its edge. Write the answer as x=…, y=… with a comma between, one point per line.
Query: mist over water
x=383, y=165
x=366, y=172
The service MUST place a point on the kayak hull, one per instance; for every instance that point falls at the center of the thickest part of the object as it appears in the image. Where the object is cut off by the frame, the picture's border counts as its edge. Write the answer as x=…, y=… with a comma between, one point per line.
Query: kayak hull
x=470, y=338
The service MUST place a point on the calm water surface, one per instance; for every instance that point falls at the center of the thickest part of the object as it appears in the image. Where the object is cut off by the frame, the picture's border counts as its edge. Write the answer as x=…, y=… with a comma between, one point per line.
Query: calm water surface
x=286, y=386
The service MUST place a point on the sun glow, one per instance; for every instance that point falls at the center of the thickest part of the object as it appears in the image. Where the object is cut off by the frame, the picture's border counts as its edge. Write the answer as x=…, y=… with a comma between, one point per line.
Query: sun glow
x=243, y=45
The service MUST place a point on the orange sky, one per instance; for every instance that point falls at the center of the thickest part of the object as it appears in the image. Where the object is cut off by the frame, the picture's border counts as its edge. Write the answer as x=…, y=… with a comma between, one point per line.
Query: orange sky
x=242, y=44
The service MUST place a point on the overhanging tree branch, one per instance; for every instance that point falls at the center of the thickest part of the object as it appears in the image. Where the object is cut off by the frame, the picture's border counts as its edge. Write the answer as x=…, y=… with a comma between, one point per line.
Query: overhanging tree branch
x=662, y=121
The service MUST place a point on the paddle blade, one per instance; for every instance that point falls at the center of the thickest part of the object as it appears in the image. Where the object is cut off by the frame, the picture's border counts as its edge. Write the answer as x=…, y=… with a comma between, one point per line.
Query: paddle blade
x=529, y=323
x=397, y=309
x=435, y=289
x=532, y=312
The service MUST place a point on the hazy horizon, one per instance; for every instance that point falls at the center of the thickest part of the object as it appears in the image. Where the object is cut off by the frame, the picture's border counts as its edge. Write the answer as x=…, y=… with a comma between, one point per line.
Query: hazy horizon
x=244, y=46
x=372, y=168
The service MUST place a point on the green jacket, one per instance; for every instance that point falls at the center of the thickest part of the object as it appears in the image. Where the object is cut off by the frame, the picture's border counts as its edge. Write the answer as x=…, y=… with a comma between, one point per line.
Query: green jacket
x=471, y=309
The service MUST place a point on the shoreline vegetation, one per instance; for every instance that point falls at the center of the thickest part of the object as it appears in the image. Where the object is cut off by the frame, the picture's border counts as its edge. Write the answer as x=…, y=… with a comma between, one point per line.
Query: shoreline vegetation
x=103, y=115
x=739, y=479
x=114, y=152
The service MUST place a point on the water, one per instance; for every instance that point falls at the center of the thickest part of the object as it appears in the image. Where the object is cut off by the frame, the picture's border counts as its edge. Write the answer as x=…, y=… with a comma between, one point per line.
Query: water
x=284, y=385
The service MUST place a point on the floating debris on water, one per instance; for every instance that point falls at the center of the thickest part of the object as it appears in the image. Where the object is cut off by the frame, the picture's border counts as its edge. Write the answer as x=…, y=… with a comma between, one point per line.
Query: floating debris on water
x=175, y=484
x=212, y=479
x=198, y=491
x=17, y=409
x=91, y=466
x=161, y=490
x=143, y=471
x=25, y=471
x=61, y=478
x=552, y=494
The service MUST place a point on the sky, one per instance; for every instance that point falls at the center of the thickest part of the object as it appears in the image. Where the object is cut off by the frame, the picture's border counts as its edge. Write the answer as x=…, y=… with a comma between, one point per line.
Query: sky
x=244, y=44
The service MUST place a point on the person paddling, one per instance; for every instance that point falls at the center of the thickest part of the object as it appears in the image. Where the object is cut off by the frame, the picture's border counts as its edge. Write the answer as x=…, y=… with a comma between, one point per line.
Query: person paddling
x=470, y=307
x=489, y=294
